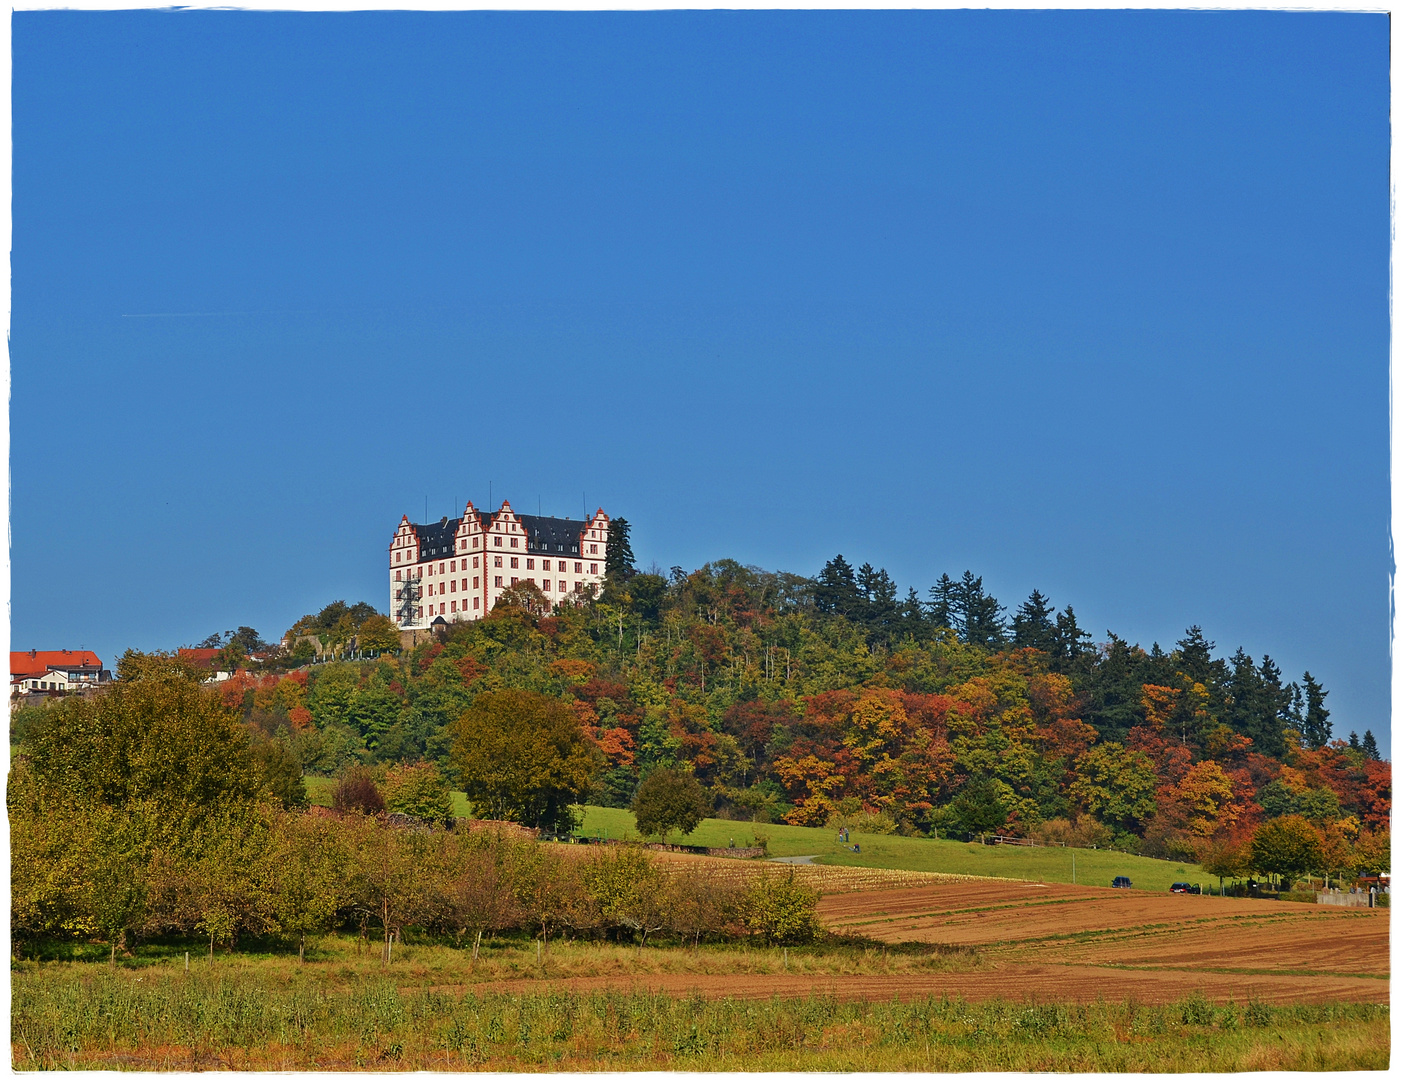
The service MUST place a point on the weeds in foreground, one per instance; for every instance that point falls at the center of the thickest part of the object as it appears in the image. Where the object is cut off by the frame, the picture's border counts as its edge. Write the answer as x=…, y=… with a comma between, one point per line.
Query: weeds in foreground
x=250, y=1020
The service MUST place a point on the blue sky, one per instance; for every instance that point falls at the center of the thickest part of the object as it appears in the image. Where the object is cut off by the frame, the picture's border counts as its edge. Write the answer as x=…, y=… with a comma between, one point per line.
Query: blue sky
x=1089, y=302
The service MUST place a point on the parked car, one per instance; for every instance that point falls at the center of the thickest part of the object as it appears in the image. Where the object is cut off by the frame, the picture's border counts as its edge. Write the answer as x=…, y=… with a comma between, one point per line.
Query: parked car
x=1184, y=887
x=1122, y=882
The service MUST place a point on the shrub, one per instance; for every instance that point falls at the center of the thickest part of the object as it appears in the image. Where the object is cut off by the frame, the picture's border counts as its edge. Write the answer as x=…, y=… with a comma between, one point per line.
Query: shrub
x=357, y=792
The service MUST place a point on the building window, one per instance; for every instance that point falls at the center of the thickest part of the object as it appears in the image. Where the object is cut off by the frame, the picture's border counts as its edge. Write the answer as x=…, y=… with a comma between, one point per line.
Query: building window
x=442, y=567
x=454, y=566
x=515, y=563
x=464, y=584
x=474, y=562
x=515, y=541
x=452, y=586
x=530, y=564
x=454, y=605
x=545, y=585
x=398, y=555
x=593, y=549
x=498, y=541
x=430, y=569
x=474, y=541
x=475, y=582
x=398, y=575
x=593, y=568
x=562, y=586
x=476, y=602
x=498, y=581
x=514, y=580
x=498, y=560
x=544, y=564
x=578, y=568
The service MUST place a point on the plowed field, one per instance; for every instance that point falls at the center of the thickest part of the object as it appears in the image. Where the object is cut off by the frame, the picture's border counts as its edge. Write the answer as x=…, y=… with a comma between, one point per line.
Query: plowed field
x=1086, y=942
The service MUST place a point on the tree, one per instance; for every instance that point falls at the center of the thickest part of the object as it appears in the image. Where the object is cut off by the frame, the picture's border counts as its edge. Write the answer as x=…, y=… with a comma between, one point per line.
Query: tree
x=248, y=639
x=524, y=757
x=835, y=591
x=1225, y=857
x=307, y=868
x=419, y=791
x=1369, y=746
x=669, y=799
x=780, y=910
x=377, y=634
x=478, y=894
x=619, y=563
x=1318, y=729
x=1287, y=846
x=1116, y=785
x=156, y=736
x=1033, y=626
x=279, y=773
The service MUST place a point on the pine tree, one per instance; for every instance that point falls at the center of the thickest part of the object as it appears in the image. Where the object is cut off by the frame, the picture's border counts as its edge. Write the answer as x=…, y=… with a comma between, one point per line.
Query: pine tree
x=1352, y=741
x=1318, y=729
x=1032, y=625
x=619, y=563
x=1071, y=643
x=942, y=600
x=836, y=591
x=983, y=622
x=1369, y=746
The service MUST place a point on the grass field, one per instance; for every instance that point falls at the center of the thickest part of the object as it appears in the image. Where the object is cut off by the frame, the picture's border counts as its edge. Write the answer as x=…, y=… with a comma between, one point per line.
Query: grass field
x=917, y=853
x=70, y=1016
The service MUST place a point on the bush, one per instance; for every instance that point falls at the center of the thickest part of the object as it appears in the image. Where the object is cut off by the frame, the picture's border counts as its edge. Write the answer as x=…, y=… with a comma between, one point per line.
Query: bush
x=358, y=793
x=863, y=821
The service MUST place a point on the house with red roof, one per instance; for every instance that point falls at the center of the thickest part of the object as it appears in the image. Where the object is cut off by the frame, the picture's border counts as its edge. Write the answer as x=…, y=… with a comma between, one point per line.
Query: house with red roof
x=55, y=671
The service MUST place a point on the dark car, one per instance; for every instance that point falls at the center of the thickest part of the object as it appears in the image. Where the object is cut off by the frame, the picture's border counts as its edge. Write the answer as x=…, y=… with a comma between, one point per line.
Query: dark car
x=1122, y=882
x=1180, y=886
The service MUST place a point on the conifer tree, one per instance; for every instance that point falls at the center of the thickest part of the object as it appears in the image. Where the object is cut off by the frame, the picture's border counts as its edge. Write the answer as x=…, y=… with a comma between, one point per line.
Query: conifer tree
x=619, y=563
x=1318, y=729
x=1369, y=746
x=1033, y=626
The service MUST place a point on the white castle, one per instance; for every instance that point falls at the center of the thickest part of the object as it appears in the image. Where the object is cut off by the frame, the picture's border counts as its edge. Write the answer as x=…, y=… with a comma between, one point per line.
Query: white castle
x=456, y=569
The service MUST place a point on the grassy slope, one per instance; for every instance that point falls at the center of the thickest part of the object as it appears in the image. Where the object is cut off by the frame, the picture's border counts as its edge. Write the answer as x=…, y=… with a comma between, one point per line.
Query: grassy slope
x=916, y=853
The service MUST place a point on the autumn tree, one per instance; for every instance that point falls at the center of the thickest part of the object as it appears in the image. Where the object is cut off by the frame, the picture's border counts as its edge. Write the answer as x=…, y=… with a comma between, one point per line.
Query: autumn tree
x=524, y=757
x=1116, y=785
x=357, y=792
x=419, y=791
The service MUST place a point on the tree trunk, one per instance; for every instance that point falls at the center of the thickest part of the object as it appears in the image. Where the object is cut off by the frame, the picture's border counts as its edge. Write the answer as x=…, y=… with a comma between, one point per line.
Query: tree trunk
x=476, y=947
x=114, y=951
x=301, y=951
x=211, y=946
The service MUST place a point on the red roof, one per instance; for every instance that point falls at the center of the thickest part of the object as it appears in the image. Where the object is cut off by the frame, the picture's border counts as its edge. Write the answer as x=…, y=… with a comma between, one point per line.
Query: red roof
x=26, y=664
x=200, y=658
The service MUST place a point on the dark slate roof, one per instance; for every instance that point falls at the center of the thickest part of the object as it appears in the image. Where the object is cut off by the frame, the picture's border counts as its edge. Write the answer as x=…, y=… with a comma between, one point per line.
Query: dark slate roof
x=436, y=540
x=550, y=535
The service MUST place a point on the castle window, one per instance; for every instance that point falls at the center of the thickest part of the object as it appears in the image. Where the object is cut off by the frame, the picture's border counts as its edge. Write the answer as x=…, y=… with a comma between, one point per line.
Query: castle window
x=593, y=568
x=530, y=564
x=398, y=555
x=498, y=581
x=476, y=602
x=441, y=567
x=498, y=560
x=545, y=585
x=531, y=580
x=454, y=566
x=563, y=585
x=475, y=582
x=514, y=580
x=515, y=541
x=430, y=569
x=464, y=583
x=515, y=563
x=452, y=587
x=578, y=568
x=593, y=549
x=454, y=605
x=474, y=541
x=498, y=541
x=398, y=575
x=544, y=564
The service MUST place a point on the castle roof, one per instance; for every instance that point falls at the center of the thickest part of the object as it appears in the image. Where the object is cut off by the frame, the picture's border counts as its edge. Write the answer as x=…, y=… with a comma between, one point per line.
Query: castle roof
x=551, y=535
x=437, y=539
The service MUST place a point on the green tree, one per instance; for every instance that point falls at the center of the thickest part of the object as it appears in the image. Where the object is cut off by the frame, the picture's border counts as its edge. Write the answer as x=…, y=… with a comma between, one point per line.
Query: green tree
x=669, y=799
x=1318, y=729
x=620, y=563
x=307, y=868
x=419, y=791
x=157, y=736
x=1287, y=846
x=1116, y=785
x=279, y=773
x=377, y=634
x=780, y=910
x=524, y=757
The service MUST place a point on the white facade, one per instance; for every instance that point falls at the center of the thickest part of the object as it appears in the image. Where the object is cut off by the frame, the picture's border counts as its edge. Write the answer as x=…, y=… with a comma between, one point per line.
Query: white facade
x=457, y=568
